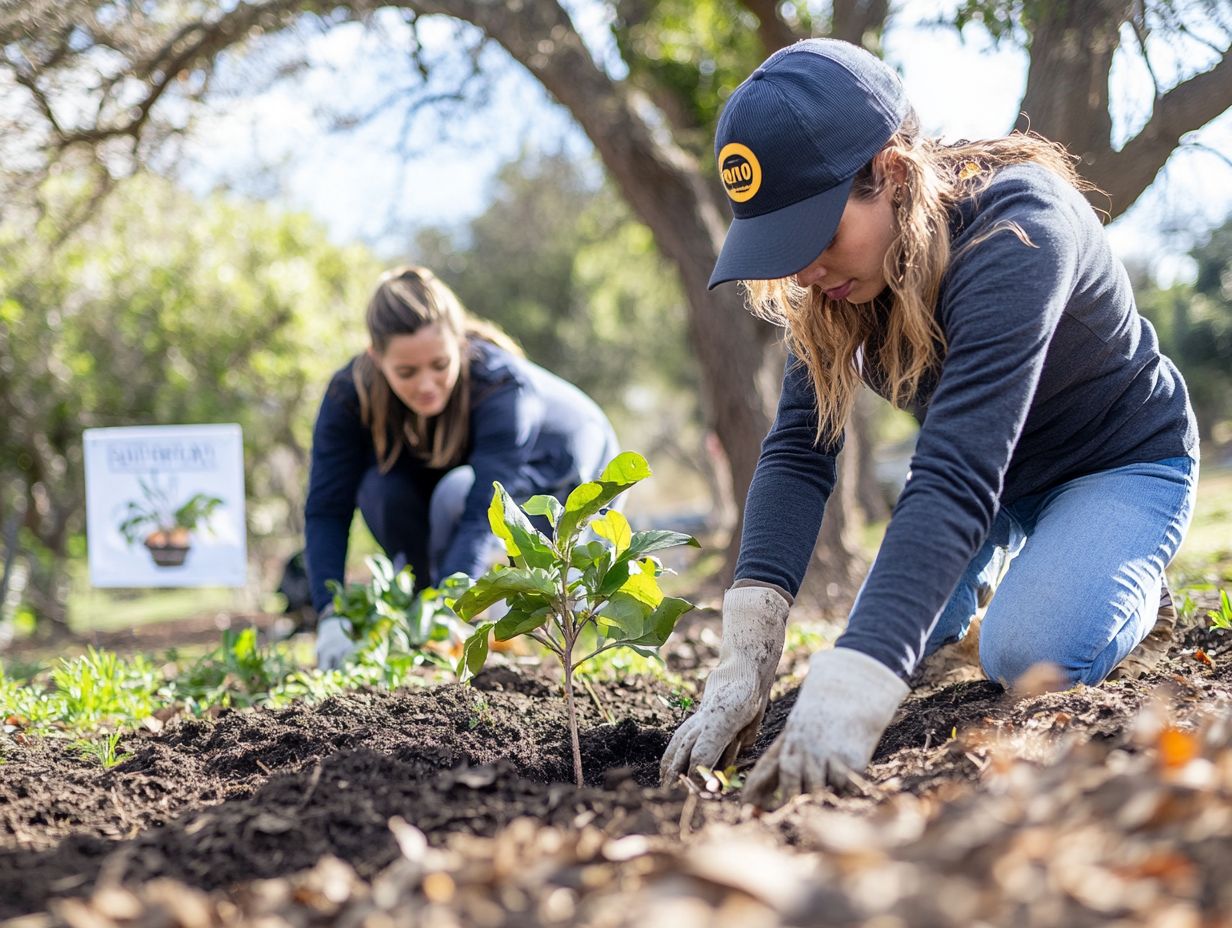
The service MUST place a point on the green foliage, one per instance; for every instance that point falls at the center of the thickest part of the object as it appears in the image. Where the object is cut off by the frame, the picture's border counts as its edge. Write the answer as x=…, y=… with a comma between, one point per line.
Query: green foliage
x=240, y=672
x=1221, y=618
x=101, y=692
x=100, y=688
x=389, y=619
x=562, y=590
x=1194, y=324
x=103, y=749
x=164, y=308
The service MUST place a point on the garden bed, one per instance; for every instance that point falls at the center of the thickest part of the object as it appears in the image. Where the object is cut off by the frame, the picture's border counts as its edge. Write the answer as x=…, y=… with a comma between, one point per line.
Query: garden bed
x=451, y=805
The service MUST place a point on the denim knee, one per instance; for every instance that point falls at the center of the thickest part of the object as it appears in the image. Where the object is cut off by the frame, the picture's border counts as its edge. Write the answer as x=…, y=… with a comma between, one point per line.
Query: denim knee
x=1006, y=656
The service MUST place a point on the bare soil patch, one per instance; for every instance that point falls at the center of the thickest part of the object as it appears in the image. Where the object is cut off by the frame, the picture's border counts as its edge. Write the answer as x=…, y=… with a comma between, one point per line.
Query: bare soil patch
x=452, y=805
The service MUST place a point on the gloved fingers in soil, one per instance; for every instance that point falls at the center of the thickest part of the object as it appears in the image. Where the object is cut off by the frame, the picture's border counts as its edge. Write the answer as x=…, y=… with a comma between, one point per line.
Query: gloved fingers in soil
x=707, y=740
x=761, y=787
x=737, y=691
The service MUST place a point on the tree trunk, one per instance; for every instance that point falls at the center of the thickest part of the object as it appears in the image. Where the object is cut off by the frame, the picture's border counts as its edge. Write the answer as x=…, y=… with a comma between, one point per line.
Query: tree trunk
x=665, y=187
x=1067, y=97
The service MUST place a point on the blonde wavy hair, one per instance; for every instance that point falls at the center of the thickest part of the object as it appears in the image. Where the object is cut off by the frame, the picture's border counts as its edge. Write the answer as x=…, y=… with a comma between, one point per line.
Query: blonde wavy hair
x=406, y=300
x=928, y=179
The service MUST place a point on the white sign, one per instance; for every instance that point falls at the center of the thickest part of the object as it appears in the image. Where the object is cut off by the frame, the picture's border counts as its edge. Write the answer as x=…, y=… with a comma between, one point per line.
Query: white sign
x=165, y=506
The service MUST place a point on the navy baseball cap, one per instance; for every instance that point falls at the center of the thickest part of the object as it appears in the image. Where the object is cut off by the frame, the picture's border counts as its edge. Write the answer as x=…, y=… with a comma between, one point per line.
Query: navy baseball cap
x=790, y=141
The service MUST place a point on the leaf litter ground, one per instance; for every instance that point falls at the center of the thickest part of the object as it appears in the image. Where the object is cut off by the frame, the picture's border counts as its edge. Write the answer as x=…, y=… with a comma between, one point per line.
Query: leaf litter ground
x=451, y=805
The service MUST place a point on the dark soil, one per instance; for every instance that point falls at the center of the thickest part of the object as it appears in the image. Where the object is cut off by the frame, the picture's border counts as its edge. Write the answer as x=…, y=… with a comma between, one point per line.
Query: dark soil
x=292, y=793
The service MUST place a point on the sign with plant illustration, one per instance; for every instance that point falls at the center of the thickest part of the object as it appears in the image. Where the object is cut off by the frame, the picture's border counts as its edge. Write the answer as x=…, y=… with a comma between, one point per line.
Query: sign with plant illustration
x=165, y=506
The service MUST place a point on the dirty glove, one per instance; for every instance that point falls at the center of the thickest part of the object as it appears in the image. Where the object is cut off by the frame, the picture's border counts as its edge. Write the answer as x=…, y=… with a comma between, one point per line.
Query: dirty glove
x=738, y=690
x=334, y=644
x=845, y=703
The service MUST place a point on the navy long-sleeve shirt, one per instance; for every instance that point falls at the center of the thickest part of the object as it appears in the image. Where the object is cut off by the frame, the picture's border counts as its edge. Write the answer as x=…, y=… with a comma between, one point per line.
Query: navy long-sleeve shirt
x=529, y=429
x=1049, y=373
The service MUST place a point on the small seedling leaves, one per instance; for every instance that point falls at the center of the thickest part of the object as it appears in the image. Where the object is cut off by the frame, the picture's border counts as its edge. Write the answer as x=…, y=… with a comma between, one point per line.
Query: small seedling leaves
x=518, y=534
x=548, y=506
x=497, y=585
x=624, y=616
x=519, y=622
x=613, y=526
x=382, y=572
x=474, y=652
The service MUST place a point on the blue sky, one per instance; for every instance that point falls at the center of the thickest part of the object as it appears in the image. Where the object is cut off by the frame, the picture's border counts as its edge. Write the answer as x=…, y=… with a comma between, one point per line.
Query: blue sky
x=274, y=144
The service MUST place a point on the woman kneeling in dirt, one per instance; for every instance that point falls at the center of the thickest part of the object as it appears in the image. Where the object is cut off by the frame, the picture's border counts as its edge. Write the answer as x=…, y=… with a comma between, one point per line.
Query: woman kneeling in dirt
x=972, y=284
x=414, y=431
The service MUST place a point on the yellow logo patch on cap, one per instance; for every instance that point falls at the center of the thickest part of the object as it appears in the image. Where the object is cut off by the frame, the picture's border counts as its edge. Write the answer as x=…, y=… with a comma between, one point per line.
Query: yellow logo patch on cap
x=740, y=172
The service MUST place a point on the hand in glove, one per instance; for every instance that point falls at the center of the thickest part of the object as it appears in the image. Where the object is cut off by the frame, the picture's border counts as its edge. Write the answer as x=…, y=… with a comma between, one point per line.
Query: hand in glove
x=845, y=703
x=738, y=690
x=334, y=644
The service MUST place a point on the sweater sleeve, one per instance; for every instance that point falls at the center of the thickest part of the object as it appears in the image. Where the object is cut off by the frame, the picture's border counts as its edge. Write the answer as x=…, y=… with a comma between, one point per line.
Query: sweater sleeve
x=505, y=424
x=340, y=446
x=787, y=497
x=1003, y=298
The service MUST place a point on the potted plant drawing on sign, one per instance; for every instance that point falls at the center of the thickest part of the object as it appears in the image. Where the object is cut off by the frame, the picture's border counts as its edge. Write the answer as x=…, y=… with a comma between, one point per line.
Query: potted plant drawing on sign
x=164, y=527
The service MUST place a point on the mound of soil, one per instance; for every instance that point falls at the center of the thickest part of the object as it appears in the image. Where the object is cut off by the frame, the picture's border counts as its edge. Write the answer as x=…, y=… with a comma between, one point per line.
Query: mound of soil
x=452, y=805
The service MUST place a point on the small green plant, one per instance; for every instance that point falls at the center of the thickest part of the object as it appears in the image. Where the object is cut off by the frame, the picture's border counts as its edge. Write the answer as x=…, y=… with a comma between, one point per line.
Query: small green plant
x=569, y=594
x=103, y=749
x=238, y=673
x=101, y=687
x=1221, y=618
x=388, y=618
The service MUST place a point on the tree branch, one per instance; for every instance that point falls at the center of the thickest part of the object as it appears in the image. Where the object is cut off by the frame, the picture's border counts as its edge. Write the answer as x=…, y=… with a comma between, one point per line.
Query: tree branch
x=1188, y=106
x=773, y=31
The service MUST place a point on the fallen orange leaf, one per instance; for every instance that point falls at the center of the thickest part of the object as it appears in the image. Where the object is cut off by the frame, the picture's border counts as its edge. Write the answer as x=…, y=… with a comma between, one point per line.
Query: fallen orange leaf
x=1176, y=747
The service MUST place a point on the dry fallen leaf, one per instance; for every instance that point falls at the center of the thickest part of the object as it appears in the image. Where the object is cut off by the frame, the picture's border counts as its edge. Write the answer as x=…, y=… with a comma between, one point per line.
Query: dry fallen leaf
x=1177, y=748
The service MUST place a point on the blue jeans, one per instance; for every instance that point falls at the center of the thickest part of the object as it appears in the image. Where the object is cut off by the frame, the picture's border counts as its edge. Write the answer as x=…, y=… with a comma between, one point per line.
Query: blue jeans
x=1082, y=564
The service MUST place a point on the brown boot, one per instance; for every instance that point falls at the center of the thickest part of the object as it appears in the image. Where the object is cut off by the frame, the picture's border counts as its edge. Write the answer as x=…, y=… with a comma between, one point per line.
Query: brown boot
x=1155, y=645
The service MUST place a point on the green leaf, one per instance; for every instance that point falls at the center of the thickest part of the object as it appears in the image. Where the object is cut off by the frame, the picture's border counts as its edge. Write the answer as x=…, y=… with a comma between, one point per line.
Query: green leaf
x=615, y=528
x=614, y=579
x=518, y=622
x=496, y=519
x=497, y=585
x=584, y=557
x=644, y=588
x=474, y=652
x=587, y=500
x=548, y=506
x=623, y=616
x=518, y=534
x=628, y=468
x=662, y=622
x=645, y=542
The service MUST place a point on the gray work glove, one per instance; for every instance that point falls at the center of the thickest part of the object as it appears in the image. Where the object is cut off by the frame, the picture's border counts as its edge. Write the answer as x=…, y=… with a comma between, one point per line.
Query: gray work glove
x=845, y=703
x=334, y=644
x=738, y=690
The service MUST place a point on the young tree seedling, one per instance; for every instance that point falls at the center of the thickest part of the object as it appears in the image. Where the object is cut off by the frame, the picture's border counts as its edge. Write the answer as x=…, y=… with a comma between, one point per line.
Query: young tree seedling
x=559, y=587
x=388, y=617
